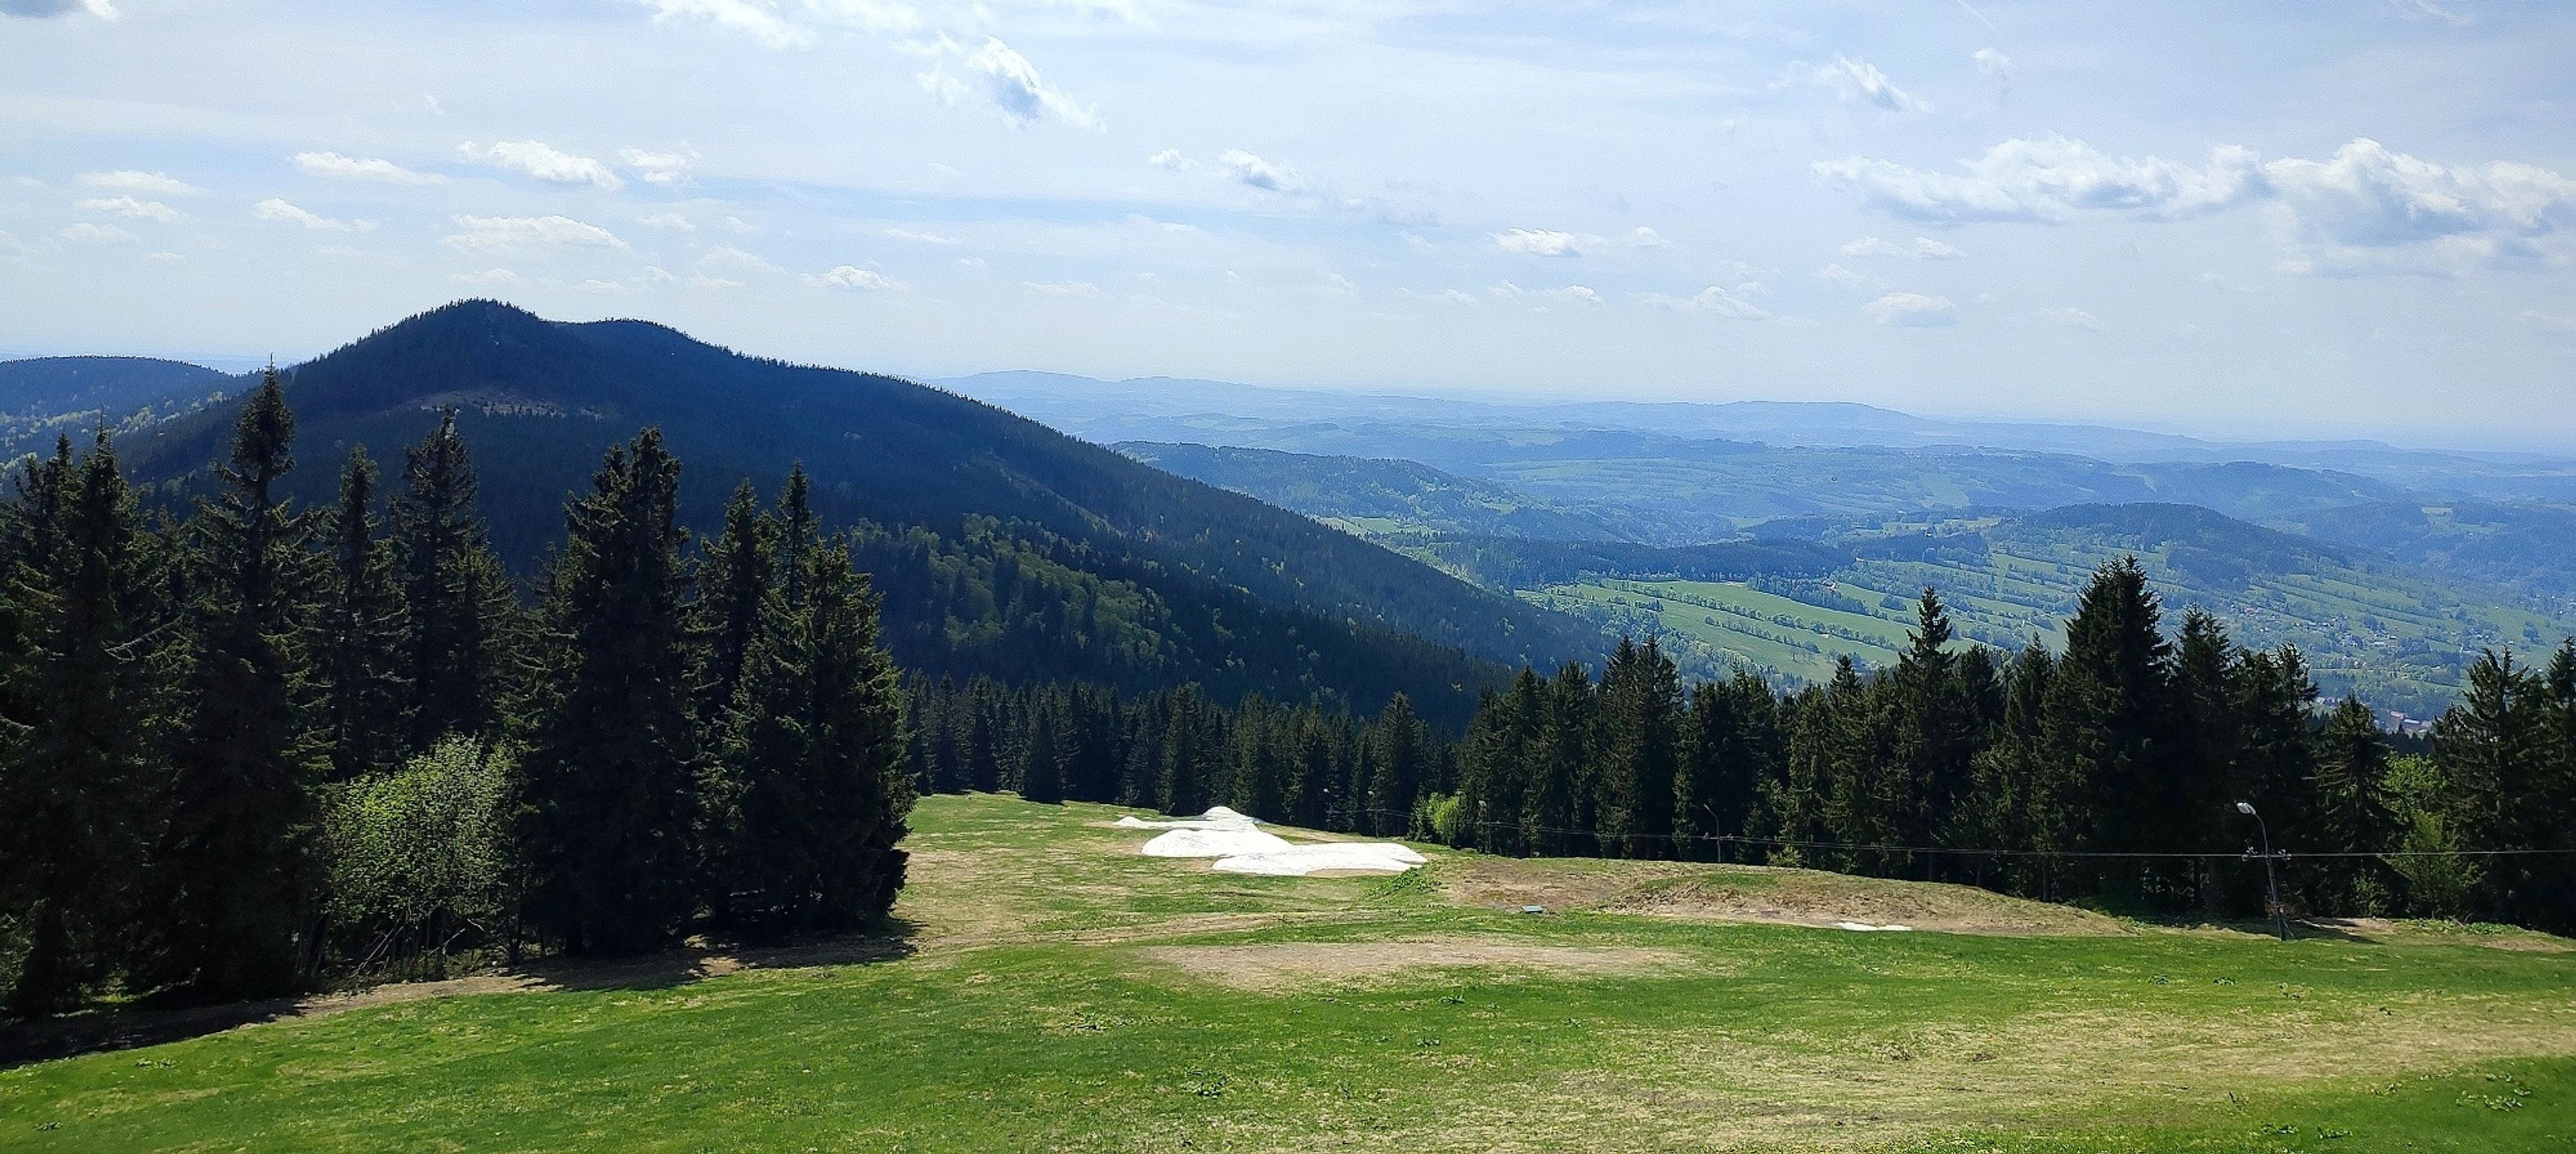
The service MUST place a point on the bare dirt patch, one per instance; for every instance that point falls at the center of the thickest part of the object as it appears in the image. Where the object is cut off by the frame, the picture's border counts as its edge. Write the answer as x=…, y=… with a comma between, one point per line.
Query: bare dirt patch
x=1280, y=964
x=1762, y=894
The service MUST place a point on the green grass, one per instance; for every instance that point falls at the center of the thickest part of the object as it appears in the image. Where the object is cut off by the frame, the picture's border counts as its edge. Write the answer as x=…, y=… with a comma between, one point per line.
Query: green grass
x=1058, y=991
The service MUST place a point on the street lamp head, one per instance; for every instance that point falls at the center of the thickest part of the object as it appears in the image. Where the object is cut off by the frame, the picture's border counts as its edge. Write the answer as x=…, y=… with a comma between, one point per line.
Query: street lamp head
x=2245, y=807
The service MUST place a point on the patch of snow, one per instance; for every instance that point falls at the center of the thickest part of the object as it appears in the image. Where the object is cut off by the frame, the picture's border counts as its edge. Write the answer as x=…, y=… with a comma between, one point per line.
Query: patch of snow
x=1298, y=861
x=1865, y=927
x=1217, y=817
x=1215, y=843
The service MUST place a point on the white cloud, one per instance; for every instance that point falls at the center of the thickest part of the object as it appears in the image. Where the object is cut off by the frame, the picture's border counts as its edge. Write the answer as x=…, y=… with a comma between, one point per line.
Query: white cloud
x=334, y=166
x=490, y=276
x=1923, y=248
x=164, y=258
x=1545, y=242
x=2049, y=179
x=1170, y=158
x=1644, y=237
x=127, y=206
x=1006, y=79
x=1715, y=299
x=662, y=168
x=1994, y=66
x=2555, y=322
x=2366, y=198
x=100, y=233
x=727, y=256
x=920, y=237
x=1912, y=310
x=2073, y=318
x=1541, y=298
x=1263, y=174
x=275, y=209
x=1855, y=79
x=543, y=161
x=1070, y=288
x=740, y=227
x=156, y=183
x=489, y=233
x=785, y=24
x=1416, y=242
x=1835, y=274
x=667, y=221
x=45, y=9
x=2365, y=208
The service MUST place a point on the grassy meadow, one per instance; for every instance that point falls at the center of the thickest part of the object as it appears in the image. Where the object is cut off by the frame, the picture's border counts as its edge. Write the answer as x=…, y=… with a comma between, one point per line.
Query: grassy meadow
x=1050, y=989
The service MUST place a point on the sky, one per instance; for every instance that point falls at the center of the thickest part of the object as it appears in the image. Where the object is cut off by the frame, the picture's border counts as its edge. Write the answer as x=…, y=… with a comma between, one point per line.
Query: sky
x=2245, y=219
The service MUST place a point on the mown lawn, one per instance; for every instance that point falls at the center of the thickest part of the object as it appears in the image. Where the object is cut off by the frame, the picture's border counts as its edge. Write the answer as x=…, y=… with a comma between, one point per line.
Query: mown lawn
x=1055, y=991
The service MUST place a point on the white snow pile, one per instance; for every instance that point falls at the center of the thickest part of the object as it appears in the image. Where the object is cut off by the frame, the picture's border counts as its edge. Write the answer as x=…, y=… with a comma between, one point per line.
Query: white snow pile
x=1865, y=927
x=1240, y=846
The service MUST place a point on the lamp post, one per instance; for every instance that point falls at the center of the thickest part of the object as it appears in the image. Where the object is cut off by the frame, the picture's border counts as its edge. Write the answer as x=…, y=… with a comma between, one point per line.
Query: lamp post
x=2271, y=882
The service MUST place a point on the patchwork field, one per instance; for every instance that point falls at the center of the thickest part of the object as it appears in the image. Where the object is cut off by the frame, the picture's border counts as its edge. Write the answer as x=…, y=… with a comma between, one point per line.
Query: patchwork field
x=1049, y=989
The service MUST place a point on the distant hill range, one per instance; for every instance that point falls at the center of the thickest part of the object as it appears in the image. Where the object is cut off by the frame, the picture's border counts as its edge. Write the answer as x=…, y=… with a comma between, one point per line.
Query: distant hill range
x=47, y=397
x=1001, y=546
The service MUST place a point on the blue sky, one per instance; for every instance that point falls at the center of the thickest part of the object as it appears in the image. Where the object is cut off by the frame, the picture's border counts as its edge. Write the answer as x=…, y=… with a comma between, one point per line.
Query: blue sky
x=2239, y=218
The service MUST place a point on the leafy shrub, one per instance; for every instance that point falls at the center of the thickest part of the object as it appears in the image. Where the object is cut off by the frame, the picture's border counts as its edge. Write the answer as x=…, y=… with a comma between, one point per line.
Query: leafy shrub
x=419, y=859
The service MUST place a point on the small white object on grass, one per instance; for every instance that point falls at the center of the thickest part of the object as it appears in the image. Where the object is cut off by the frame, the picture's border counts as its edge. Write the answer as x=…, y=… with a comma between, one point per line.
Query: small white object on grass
x=1865, y=927
x=1300, y=860
x=1239, y=847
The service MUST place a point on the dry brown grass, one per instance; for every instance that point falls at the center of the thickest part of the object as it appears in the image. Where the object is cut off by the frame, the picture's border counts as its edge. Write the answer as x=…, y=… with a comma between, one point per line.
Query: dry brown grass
x=1760, y=894
x=1281, y=965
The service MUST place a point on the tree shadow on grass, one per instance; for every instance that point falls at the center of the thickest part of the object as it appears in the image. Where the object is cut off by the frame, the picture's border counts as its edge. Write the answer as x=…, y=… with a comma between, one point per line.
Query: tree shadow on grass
x=105, y=1031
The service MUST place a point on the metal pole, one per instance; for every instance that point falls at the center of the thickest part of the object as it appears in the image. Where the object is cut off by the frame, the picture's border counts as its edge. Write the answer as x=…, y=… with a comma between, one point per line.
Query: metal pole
x=2272, y=881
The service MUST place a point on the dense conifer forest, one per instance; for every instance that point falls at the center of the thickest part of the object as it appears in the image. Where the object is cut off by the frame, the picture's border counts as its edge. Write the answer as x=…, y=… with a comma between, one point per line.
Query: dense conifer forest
x=2108, y=772
x=258, y=744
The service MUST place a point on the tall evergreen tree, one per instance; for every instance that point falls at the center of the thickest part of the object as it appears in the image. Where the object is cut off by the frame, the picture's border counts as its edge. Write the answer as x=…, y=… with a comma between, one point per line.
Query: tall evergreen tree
x=2108, y=708
x=813, y=748
x=358, y=633
x=613, y=769
x=455, y=598
x=735, y=584
x=1641, y=705
x=2354, y=814
x=1398, y=741
x=238, y=873
x=82, y=777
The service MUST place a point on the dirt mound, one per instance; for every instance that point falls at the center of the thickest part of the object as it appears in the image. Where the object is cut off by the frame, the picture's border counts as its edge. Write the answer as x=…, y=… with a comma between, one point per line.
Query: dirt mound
x=1761, y=894
x=1274, y=965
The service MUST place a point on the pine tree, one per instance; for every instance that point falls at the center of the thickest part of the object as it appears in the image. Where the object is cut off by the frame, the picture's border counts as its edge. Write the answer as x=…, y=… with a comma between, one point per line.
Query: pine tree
x=455, y=598
x=813, y=750
x=238, y=873
x=82, y=781
x=2492, y=748
x=1192, y=747
x=2353, y=812
x=2107, y=711
x=613, y=769
x=1641, y=705
x=358, y=635
x=1397, y=738
x=1042, y=757
x=735, y=584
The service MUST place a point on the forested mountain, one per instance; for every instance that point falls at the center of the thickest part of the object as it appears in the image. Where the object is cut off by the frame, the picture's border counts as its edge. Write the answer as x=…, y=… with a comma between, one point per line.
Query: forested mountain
x=45, y=395
x=1366, y=493
x=1004, y=547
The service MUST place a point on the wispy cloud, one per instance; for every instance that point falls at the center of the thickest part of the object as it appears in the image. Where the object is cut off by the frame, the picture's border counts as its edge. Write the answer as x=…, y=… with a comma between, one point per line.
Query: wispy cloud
x=1922, y=248
x=334, y=166
x=47, y=9
x=127, y=206
x=1546, y=242
x=1857, y=80
x=1000, y=77
x=154, y=183
x=659, y=168
x=1912, y=310
x=543, y=161
x=279, y=210
x=98, y=234
x=495, y=233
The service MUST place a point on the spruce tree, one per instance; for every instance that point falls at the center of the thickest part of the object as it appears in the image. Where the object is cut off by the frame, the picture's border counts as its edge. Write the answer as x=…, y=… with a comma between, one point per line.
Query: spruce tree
x=238, y=872
x=1042, y=758
x=2107, y=711
x=358, y=634
x=455, y=597
x=813, y=750
x=82, y=779
x=735, y=584
x=1398, y=739
x=2353, y=813
x=613, y=806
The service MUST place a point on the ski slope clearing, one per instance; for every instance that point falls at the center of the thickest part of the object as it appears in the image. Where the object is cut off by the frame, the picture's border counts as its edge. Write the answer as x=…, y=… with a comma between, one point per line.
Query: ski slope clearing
x=1049, y=987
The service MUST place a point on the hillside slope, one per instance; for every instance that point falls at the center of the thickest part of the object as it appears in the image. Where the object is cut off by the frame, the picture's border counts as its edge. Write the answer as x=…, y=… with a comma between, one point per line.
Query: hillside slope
x=43, y=396
x=1123, y=567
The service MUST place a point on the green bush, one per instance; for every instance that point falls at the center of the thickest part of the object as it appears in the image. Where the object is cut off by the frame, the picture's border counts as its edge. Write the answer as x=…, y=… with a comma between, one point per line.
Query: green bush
x=419, y=859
